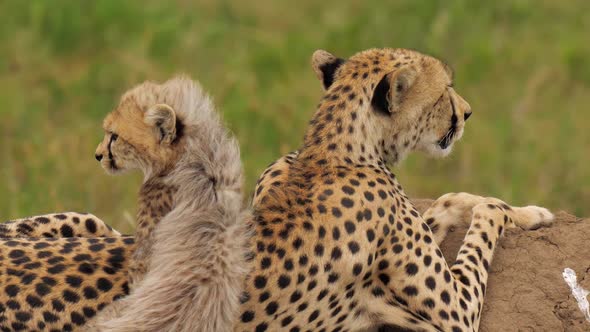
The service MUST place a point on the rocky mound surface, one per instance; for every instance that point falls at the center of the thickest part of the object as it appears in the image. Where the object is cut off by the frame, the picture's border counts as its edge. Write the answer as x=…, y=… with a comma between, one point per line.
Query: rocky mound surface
x=526, y=289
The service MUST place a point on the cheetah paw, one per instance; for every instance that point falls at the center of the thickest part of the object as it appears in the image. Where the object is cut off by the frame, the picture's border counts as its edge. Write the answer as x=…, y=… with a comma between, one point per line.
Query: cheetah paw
x=533, y=217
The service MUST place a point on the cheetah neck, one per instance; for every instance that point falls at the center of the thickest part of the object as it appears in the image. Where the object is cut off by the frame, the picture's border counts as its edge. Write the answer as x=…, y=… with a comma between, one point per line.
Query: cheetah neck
x=346, y=130
x=156, y=199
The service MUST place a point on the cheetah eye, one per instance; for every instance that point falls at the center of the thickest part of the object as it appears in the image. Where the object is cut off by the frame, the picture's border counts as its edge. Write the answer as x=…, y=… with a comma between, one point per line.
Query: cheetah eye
x=114, y=137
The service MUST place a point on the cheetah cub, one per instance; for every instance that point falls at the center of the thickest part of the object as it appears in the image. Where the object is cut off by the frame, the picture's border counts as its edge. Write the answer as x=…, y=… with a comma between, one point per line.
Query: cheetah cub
x=191, y=226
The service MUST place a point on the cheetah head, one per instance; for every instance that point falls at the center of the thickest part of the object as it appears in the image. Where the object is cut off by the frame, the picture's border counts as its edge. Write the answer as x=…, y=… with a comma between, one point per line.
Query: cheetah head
x=143, y=132
x=410, y=95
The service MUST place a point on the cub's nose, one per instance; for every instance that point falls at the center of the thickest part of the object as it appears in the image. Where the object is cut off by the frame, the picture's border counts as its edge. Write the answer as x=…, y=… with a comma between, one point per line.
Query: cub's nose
x=98, y=157
x=467, y=115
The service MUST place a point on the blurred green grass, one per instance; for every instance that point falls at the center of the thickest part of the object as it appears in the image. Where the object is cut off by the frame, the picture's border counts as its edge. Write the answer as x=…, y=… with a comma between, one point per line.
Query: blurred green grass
x=523, y=65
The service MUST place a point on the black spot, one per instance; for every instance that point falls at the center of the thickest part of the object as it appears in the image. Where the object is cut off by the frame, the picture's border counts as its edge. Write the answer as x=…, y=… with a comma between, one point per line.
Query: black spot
x=34, y=301
x=357, y=269
x=348, y=190
x=296, y=296
x=89, y=312
x=303, y=260
x=466, y=294
x=302, y=307
x=322, y=294
x=96, y=247
x=16, y=253
x=410, y=290
x=90, y=293
x=82, y=257
x=74, y=281
x=12, y=290
x=336, y=212
x=13, y=305
x=104, y=284
x=367, y=214
x=261, y=327
x=336, y=253
x=70, y=296
x=284, y=281
x=370, y=235
x=319, y=250
x=49, y=317
x=66, y=231
x=271, y=307
x=335, y=233
x=77, y=318
x=265, y=263
x=321, y=232
x=286, y=321
x=289, y=265
x=430, y=283
x=263, y=297
x=411, y=269
x=353, y=247
x=313, y=270
x=259, y=282
x=384, y=278
x=56, y=269
x=350, y=228
x=42, y=289
x=378, y=292
x=41, y=245
x=347, y=202
x=86, y=268
x=333, y=277
x=445, y=297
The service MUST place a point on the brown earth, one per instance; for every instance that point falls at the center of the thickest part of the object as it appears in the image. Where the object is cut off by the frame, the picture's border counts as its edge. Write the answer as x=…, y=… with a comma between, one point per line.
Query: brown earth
x=526, y=290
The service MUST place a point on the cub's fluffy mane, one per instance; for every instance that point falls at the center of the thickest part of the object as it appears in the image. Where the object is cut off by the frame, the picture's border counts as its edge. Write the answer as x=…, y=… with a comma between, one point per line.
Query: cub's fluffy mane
x=198, y=264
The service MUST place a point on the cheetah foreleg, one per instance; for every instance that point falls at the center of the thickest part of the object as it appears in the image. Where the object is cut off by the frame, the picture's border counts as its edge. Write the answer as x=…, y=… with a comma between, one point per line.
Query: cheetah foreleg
x=455, y=208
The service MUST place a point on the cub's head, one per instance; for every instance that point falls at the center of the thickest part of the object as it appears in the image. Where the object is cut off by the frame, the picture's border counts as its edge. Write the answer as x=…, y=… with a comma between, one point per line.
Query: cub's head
x=143, y=132
x=409, y=95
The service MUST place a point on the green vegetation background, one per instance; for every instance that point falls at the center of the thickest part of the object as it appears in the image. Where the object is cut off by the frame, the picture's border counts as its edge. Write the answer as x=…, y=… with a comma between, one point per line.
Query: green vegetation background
x=523, y=65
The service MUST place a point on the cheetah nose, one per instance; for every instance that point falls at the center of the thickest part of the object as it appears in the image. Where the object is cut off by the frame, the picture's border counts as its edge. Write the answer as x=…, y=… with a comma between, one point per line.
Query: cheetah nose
x=98, y=157
x=467, y=115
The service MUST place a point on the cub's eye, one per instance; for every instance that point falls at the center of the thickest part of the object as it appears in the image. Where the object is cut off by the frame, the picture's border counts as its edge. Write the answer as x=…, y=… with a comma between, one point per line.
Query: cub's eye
x=114, y=137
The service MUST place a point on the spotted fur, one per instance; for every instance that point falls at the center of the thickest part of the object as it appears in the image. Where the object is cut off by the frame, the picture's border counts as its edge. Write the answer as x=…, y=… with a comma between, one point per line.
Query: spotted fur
x=67, y=224
x=338, y=245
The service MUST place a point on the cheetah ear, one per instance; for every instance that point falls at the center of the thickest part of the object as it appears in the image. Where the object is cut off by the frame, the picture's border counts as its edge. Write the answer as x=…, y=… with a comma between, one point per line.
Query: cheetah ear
x=325, y=65
x=393, y=88
x=163, y=119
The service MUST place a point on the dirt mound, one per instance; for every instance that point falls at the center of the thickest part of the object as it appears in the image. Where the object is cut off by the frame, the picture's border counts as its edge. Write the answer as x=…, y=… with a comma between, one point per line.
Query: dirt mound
x=526, y=290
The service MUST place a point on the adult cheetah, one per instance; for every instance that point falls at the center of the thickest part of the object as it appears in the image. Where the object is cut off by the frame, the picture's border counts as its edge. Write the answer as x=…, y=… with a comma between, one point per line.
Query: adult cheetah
x=338, y=245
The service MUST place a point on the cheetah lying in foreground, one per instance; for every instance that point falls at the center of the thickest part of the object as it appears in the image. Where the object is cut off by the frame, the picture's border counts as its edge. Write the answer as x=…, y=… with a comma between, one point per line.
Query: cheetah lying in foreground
x=338, y=245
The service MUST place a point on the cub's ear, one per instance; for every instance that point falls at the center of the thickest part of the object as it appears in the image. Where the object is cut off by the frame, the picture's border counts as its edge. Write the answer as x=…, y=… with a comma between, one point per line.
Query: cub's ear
x=163, y=119
x=325, y=65
x=391, y=91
